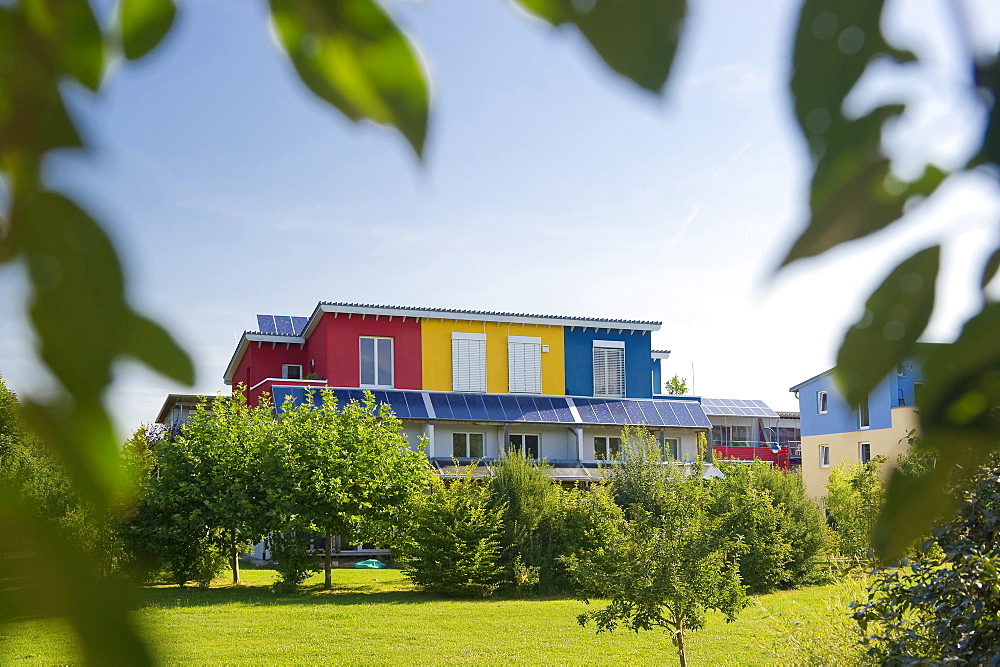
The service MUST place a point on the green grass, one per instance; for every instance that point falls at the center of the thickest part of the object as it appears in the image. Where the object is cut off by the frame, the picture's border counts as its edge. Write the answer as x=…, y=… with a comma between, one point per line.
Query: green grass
x=377, y=617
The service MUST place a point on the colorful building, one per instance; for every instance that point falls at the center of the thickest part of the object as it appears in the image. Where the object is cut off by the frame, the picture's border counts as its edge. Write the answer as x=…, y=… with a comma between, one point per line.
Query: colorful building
x=834, y=431
x=474, y=384
x=749, y=430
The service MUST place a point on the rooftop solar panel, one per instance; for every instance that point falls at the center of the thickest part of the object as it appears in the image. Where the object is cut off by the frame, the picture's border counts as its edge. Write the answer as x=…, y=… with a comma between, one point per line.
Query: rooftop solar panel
x=397, y=402
x=442, y=409
x=283, y=323
x=618, y=412
x=561, y=408
x=633, y=412
x=459, y=408
x=477, y=407
x=494, y=410
x=265, y=324
x=585, y=408
x=529, y=413
x=510, y=408
x=299, y=325
x=602, y=412
x=415, y=404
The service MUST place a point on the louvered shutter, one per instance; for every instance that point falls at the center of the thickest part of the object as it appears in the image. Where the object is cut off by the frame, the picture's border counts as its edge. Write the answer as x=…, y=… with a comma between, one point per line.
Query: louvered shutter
x=468, y=362
x=609, y=368
x=524, y=359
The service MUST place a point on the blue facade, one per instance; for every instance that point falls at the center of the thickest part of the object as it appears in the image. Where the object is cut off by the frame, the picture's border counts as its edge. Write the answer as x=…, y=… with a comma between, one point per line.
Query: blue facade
x=579, y=351
x=896, y=390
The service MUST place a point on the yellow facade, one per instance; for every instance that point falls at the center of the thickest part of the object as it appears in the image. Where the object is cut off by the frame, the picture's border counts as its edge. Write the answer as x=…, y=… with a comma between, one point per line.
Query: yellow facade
x=435, y=337
x=887, y=442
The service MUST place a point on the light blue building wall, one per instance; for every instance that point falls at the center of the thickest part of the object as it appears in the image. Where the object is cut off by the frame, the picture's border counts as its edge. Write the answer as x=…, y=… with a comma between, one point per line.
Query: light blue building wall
x=896, y=390
x=579, y=351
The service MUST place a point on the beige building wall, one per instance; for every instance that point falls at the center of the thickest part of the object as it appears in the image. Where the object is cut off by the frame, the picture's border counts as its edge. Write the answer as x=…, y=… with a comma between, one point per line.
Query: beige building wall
x=887, y=442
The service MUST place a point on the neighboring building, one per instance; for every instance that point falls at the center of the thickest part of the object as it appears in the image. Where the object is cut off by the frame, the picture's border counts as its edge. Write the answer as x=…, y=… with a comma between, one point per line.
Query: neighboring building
x=749, y=430
x=178, y=408
x=834, y=431
x=476, y=383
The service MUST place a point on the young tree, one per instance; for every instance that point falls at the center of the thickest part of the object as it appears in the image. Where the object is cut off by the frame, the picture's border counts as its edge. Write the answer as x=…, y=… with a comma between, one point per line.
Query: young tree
x=344, y=471
x=676, y=386
x=854, y=495
x=671, y=562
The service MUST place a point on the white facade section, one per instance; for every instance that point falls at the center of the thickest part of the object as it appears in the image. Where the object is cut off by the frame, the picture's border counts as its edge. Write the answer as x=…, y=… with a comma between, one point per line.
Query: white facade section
x=468, y=361
x=524, y=361
x=609, y=368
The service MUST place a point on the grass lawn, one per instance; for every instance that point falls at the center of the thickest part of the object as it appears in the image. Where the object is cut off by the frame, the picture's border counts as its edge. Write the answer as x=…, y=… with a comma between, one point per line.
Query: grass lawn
x=377, y=617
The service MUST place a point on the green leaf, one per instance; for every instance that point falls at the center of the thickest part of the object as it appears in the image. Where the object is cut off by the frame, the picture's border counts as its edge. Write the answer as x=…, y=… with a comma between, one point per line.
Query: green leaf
x=71, y=30
x=960, y=422
x=33, y=119
x=638, y=39
x=853, y=191
x=990, y=269
x=144, y=23
x=78, y=306
x=895, y=316
x=352, y=55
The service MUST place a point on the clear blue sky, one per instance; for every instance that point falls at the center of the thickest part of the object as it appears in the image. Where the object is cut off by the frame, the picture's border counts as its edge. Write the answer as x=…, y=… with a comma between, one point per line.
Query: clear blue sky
x=549, y=186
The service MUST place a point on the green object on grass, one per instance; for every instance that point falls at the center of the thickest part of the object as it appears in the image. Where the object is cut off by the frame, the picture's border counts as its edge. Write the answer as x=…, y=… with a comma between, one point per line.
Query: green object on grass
x=371, y=564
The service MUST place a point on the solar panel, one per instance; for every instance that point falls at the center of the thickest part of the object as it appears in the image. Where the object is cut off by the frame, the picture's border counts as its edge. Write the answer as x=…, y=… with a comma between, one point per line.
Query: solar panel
x=618, y=412
x=562, y=411
x=397, y=402
x=585, y=408
x=494, y=410
x=602, y=412
x=510, y=408
x=299, y=324
x=441, y=407
x=459, y=408
x=415, y=404
x=650, y=415
x=527, y=407
x=283, y=323
x=265, y=324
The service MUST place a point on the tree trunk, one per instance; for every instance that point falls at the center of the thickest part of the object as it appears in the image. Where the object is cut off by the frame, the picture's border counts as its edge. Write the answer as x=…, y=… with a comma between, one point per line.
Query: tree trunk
x=679, y=634
x=328, y=580
x=235, y=558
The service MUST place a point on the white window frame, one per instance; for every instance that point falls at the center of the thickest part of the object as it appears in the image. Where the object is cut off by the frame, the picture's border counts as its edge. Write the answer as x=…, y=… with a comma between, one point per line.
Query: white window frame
x=468, y=361
x=524, y=364
x=822, y=402
x=669, y=450
x=605, y=390
x=824, y=456
x=375, y=361
x=521, y=447
x=285, y=368
x=864, y=414
x=467, y=437
x=610, y=453
x=861, y=452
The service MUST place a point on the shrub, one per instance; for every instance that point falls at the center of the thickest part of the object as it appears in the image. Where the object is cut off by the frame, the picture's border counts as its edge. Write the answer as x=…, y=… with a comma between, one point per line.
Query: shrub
x=855, y=493
x=291, y=558
x=452, y=545
x=782, y=532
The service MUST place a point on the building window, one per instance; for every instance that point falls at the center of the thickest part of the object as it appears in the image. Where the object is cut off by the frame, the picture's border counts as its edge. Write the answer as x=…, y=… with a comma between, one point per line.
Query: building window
x=468, y=361
x=864, y=419
x=671, y=449
x=865, y=452
x=609, y=368
x=824, y=456
x=291, y=371
x=526, y=444
x=467, y=445
x=524, y=359
x=376, y=362
x=821, y=402
x=607, y=449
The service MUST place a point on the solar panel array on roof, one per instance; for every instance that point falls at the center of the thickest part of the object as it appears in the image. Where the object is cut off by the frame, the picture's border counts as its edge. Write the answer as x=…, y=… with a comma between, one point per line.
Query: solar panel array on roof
x=281, y=324
x=451, y=406
x=722, y=407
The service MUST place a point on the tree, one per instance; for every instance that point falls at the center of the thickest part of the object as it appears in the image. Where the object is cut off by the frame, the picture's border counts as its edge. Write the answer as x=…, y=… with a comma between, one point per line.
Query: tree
x=854, y=494
x=676, y=386
x=351, y=54
x=346, y=471
x=666, y=567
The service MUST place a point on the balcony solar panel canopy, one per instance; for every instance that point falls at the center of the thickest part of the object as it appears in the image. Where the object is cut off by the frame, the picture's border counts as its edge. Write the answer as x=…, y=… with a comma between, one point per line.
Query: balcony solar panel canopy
x=730, y=407
x=509, y=408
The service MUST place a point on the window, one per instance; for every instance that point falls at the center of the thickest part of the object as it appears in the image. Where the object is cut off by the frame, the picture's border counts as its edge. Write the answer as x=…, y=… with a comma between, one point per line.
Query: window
x=376, y=362
x=524, y=359
x=671, y=449
x=609, y=368
x=824, y=456
x=291, y=371
x=900, y=370
x=467, y=445
x=864, y=420
x=865, y=452
x=607, y=449
x=468, y=361
x=526, y=444
x=821, y=402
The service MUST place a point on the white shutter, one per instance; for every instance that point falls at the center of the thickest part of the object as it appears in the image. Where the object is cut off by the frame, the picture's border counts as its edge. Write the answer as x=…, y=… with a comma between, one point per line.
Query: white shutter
x=468, y=362
x=609, y=368
x=524, y=360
